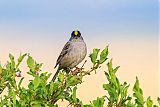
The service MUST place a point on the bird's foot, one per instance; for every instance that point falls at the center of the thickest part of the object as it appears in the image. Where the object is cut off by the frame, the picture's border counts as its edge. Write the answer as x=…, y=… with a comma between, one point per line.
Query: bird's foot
x=76, y=70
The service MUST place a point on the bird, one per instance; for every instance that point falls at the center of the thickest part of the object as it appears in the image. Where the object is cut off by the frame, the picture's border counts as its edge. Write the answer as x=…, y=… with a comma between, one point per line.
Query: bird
x=73, y=53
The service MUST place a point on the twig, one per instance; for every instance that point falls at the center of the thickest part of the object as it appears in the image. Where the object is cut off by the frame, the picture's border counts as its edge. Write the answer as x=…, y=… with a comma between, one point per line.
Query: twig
x=69, y=104
x=4, y=87
x=54, y=96
x=54, y=100
x=83, y=64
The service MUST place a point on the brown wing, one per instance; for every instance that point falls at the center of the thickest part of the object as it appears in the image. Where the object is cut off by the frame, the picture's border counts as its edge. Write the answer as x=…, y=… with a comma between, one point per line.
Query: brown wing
x=63, y=52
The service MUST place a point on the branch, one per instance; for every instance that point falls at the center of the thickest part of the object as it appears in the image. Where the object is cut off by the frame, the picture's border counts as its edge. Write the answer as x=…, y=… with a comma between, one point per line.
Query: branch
x=5, y=85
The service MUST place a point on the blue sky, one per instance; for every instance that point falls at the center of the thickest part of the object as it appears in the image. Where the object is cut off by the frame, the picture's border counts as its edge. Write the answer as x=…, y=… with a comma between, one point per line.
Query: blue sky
x=94, y=16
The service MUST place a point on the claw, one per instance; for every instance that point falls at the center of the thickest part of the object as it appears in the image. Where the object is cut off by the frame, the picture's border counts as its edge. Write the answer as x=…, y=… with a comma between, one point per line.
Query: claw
x=76, y=70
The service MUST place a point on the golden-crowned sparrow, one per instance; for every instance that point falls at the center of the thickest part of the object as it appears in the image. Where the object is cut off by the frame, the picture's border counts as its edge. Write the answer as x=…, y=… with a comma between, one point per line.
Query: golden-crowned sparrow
x=72, y=54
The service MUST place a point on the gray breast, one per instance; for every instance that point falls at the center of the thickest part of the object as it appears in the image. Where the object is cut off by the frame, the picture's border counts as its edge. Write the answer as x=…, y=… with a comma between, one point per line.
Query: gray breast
x=75, y=55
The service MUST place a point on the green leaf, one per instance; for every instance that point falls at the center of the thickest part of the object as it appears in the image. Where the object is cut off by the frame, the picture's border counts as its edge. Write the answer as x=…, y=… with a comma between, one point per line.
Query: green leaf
x=12, y=95
x=38, y=66
x=72, y=80
x=31, y=86
x=12, y=61
x=103, y=55
x=111, y=91
x=74, y=94
x=158, y=99
x=87, y=105
x=36, y=103
x=116, y=69
x=61, y=77
x=36, y=82
x=54, y=86
x=21, y=57
x=51, y=85
x=1, y=69
x=149, y=102
x=31, y=63
x=11, y=57
x=123, y=92
x=110, y=69
x=99, y=102
x=20, y=82
x=94, y=55
x=138, y=93
x=130, y=104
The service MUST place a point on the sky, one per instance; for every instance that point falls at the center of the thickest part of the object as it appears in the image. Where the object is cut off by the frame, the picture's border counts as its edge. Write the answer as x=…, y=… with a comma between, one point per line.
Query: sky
x=42, y=27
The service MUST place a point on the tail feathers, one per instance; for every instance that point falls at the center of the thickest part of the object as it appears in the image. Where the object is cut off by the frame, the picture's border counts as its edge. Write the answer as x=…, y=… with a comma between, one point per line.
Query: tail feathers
x=55, y=75
x=55, y=66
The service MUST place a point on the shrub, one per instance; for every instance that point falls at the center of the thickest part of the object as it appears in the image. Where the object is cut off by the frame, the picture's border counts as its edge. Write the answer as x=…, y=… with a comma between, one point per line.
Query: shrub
x=44, y=93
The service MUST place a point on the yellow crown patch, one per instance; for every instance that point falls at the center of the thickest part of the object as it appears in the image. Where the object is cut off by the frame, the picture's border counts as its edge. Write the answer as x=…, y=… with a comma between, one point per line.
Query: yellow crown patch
x=75, y=32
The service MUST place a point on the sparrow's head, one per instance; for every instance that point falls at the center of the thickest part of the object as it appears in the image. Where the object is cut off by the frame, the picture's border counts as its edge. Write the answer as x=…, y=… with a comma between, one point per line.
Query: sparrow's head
x=76, y=35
